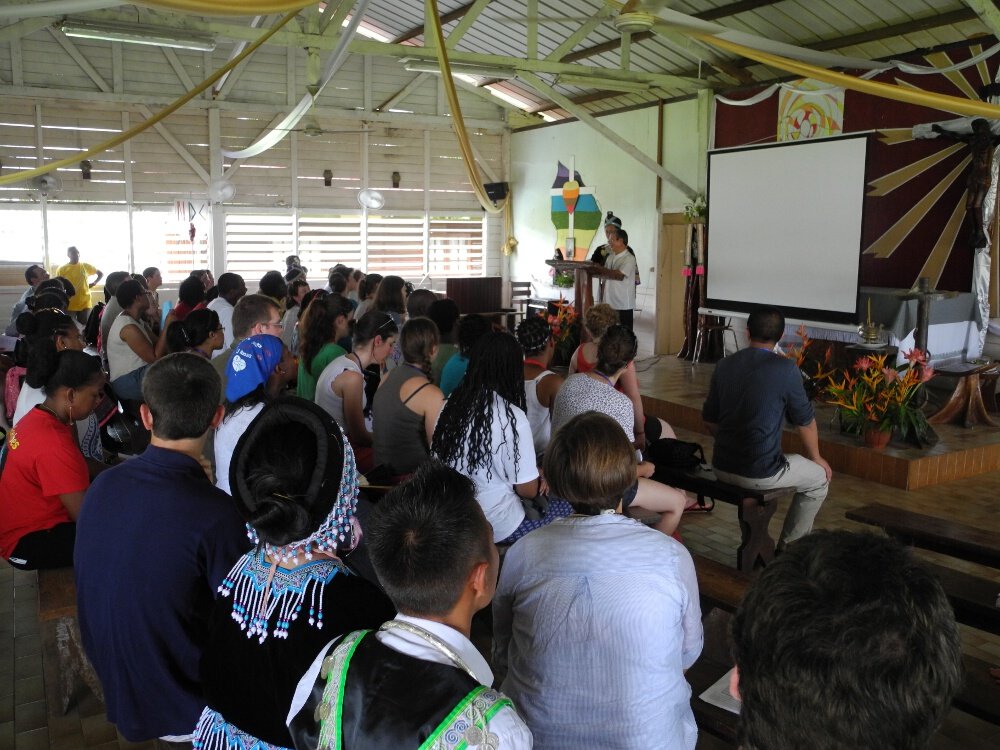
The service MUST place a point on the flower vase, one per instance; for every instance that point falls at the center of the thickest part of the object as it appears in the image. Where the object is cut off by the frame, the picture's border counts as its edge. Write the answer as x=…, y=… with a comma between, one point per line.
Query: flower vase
x=877, y=439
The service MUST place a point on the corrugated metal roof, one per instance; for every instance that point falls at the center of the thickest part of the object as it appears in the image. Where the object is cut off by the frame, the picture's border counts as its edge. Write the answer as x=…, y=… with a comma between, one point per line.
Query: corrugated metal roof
x=862, y=28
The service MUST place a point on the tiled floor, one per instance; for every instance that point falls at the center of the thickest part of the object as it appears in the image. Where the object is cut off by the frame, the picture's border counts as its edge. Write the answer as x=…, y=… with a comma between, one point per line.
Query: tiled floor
x=29, y=722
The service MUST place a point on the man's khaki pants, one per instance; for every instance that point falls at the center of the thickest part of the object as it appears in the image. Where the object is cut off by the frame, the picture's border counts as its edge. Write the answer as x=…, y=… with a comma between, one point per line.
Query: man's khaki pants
x=811, y=486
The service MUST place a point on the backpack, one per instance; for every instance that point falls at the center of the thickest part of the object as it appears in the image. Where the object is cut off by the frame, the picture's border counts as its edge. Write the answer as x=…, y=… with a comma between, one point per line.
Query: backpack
x=670, y=453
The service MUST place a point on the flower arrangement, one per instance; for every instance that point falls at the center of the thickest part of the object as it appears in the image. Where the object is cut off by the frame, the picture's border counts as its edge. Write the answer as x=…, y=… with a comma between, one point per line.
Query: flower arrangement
x=565, y=327
x=697, y=209
x=877, y=397
x=814, y=375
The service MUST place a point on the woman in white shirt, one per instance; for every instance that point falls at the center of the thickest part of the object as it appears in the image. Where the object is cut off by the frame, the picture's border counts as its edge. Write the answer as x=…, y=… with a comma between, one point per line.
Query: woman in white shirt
x=540, y=383
x=596, y=616
x=131, y=345
x=257, y=373
x=483, y=432
x=340, y=389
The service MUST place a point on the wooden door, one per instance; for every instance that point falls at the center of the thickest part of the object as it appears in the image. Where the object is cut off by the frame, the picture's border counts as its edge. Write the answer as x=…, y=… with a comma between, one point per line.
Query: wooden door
x=670, y=284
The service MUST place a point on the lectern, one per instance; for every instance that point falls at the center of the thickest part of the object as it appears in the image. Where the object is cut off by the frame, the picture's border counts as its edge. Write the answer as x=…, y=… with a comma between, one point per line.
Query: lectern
x=583, y=271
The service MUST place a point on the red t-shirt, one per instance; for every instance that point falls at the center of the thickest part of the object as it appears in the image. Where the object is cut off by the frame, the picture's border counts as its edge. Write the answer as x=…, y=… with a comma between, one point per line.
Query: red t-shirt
x=43, y=462
x=183, y=309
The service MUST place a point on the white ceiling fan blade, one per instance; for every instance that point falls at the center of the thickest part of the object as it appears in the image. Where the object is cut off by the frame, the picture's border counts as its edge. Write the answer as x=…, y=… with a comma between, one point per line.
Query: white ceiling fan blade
x=686, y=22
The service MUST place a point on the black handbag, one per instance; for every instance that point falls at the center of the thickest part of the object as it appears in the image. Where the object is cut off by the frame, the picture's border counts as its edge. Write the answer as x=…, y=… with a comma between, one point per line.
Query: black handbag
x=670, y=453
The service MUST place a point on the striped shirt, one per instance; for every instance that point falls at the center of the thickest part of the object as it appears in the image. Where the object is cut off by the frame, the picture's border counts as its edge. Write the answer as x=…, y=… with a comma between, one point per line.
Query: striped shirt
x=595, y=620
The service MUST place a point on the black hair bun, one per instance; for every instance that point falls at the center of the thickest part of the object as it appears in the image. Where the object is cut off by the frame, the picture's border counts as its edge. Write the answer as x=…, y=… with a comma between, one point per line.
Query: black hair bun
x=26, y=324
x=278, y=519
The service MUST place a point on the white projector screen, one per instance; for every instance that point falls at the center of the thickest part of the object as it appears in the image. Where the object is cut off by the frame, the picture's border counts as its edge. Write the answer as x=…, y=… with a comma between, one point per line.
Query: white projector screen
x=784, y=227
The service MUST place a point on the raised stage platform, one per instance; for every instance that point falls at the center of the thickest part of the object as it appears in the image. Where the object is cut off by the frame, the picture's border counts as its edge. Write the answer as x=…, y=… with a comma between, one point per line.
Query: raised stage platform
x=675, y=390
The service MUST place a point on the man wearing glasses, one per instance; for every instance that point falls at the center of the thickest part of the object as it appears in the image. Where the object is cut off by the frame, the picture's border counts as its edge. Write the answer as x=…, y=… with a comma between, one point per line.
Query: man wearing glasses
x=253, y=314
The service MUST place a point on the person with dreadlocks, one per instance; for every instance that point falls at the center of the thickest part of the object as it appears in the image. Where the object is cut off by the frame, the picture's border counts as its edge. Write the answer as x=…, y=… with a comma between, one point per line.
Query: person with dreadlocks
x=483, y=432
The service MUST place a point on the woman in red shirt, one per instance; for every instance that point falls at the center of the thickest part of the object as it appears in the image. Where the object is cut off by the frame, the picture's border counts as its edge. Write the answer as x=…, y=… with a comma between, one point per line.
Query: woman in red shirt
x=45, y=475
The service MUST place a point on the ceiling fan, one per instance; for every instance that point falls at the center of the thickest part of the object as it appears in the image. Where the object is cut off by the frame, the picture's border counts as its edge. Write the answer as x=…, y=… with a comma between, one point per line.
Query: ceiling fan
x=634, y=17
x=312, y=129
x=643, y=16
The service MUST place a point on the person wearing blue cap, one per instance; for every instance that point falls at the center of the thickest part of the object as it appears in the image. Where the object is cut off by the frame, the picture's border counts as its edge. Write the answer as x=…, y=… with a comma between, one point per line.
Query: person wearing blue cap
x=259, y=370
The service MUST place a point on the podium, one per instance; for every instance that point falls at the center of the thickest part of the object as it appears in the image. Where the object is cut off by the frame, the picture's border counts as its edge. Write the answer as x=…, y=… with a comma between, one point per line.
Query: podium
x=583, y=271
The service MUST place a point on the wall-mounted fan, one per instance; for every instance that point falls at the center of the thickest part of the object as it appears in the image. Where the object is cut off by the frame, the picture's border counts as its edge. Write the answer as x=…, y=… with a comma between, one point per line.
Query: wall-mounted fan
x=371, y=199
x=46, y=184
x=221, y=191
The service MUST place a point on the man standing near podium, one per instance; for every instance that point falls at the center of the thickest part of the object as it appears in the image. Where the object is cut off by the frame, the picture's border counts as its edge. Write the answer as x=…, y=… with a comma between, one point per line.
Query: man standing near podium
x=619, y=291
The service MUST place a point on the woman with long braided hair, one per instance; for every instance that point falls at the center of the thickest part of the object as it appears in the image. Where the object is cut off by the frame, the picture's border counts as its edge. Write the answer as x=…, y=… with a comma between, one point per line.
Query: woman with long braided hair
x=483, y=432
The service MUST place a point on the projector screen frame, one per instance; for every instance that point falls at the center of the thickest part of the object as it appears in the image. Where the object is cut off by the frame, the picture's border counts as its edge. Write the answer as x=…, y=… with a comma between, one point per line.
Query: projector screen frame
x=842, y=318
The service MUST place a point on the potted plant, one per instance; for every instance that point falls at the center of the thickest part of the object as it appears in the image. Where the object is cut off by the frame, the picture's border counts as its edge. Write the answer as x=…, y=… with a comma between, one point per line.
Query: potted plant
x=874, y=399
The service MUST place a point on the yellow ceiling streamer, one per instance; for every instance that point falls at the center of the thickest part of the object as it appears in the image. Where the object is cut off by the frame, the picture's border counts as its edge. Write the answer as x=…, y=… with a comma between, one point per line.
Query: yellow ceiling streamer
x=946, y=102
x=457, y=121
x=227, y=7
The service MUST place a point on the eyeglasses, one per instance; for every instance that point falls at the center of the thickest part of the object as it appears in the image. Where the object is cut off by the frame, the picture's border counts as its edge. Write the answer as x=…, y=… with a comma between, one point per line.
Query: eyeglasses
x=279, y=325
x=220, y=329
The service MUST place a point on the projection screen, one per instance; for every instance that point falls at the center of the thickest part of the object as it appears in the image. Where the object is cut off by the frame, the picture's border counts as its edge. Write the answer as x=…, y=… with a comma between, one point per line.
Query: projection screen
x=784, y=227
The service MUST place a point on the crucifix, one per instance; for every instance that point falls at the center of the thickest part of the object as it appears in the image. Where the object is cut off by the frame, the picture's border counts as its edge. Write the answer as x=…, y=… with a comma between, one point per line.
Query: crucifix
x=981, y=142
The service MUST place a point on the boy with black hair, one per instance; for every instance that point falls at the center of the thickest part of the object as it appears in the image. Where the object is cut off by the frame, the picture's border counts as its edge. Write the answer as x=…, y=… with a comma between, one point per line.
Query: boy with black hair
x=419, y=677
x=154, y=540
x=844, y=642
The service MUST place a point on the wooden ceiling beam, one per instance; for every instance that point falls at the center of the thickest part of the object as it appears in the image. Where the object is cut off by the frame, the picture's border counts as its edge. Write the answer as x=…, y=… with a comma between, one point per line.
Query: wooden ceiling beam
x=873, y=35
x=932, y=21
x=733, y=9
x=446, y=18
x=988, y=13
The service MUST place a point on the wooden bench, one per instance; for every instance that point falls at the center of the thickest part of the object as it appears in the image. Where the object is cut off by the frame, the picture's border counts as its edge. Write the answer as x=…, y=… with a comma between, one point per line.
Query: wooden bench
x=724, y=588
x=755, y=510
x=932, y=533
x=976, y=600
x=61, y=634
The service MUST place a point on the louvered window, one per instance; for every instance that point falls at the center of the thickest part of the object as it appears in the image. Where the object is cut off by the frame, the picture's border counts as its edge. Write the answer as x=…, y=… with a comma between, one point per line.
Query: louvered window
x=258, y=243
x=161, y=241
x=455, y=246
x=396, y=244
x=328, y=239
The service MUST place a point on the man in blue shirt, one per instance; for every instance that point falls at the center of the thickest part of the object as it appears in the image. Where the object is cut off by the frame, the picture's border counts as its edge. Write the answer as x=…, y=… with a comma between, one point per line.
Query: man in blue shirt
x=154, y=540
x=752, y=393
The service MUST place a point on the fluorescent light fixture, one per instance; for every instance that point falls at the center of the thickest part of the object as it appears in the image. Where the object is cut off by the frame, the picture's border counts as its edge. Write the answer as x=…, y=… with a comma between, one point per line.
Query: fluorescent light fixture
x=592, y=82
x=156, y=36
x=416, y=65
